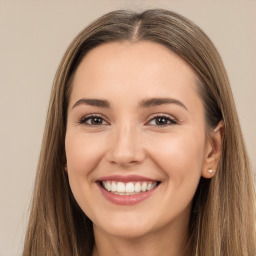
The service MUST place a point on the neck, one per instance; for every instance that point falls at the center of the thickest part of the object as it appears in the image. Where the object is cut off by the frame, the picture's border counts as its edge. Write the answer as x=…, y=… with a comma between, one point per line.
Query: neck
x=168, y=241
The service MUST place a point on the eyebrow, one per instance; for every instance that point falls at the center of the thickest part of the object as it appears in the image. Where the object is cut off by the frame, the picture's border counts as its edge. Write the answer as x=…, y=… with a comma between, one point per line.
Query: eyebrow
x=93, y=102
x=152, y=102
x=160, y=101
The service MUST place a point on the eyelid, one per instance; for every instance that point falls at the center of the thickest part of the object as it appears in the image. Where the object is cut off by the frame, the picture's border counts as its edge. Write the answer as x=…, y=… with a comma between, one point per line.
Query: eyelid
x=92, y=115
x=167, y=116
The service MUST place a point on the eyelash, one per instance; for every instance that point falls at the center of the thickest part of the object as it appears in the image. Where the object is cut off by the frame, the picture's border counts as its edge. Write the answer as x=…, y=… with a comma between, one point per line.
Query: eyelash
x=170, y=120
x=84, y=119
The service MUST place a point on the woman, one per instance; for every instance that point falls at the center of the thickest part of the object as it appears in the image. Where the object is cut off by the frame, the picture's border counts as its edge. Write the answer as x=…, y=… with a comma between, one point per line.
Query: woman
x=142, y=150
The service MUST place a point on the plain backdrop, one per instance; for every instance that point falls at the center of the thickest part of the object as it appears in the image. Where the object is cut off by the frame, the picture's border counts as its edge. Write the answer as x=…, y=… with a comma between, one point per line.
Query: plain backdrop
x=33, y=38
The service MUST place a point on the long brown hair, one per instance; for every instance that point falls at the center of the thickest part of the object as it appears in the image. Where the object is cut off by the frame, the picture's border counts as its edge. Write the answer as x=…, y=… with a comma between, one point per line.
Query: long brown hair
x=223, y=213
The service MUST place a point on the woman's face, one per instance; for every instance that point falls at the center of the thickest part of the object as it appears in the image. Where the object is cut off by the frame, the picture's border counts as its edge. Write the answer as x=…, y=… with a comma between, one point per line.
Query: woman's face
x=136, y=145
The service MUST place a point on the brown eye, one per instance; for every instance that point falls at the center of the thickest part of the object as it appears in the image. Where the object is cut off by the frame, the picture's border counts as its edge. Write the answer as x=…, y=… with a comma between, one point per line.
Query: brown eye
x=93, y=120
x=161, y=121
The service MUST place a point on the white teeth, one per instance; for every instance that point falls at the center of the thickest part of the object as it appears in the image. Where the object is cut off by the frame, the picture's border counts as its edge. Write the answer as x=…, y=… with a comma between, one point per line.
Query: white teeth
x=129, y=188
x=137, y=187
x=113, y=189
x=108, y=186
x=120, y=187
x=144, y=186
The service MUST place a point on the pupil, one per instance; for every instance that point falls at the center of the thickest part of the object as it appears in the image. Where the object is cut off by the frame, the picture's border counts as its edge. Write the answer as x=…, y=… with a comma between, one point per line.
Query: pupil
x=161, y=120
x=96, y=120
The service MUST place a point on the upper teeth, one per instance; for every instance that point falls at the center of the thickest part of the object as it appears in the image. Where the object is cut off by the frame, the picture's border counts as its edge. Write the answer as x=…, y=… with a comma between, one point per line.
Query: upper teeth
x=128, y=188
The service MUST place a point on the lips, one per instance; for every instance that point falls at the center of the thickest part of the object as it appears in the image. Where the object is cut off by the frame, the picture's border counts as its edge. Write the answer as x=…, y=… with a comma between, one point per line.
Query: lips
x=127, y=190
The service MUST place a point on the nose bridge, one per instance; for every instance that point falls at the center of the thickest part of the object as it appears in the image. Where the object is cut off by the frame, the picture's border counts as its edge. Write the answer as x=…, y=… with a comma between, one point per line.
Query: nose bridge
x=125, y=147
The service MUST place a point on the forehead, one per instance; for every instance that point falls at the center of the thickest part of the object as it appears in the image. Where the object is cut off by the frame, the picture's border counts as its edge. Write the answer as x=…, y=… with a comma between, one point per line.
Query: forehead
x=141, y=69
x=153, y=56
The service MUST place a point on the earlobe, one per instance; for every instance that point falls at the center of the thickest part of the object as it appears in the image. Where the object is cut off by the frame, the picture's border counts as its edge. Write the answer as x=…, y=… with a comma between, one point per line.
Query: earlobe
x=211, y=171
x=66, y=168
x=213, y=151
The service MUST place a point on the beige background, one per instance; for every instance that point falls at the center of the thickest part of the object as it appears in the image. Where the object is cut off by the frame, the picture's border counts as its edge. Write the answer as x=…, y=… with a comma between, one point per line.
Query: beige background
x=33, y=37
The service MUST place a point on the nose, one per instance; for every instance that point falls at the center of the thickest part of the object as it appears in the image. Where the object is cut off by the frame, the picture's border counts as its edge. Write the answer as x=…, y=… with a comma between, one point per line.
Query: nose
x=125, y=148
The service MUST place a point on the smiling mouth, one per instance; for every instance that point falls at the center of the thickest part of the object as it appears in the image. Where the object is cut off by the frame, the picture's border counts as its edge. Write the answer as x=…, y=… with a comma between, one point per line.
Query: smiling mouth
x=128, y=188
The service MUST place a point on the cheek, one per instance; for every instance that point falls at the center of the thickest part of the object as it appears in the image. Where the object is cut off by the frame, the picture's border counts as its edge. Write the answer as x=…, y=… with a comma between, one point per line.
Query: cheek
x=83, y=153
x=180, y=159
x=179, y=155
x=83, y=156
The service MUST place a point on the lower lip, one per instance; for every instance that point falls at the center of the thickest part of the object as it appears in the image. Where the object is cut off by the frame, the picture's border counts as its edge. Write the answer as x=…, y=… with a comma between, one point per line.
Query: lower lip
x=126, y=199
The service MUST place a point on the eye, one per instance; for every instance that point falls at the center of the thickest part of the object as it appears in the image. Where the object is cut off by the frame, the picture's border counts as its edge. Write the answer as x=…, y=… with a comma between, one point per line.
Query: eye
x=162, y=120
x=93, y=120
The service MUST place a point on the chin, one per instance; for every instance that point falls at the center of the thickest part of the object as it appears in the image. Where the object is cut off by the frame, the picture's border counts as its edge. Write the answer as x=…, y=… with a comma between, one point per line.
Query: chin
x=127, y=233
x=130, y=229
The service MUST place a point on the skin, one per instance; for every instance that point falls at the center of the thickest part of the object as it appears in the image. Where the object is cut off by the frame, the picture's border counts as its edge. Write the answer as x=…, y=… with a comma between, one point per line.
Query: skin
x=130, y=141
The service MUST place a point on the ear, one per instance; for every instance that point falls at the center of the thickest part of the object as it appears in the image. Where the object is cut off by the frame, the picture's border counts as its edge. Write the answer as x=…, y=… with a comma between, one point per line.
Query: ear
x=66, y=168
x=213, y=151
